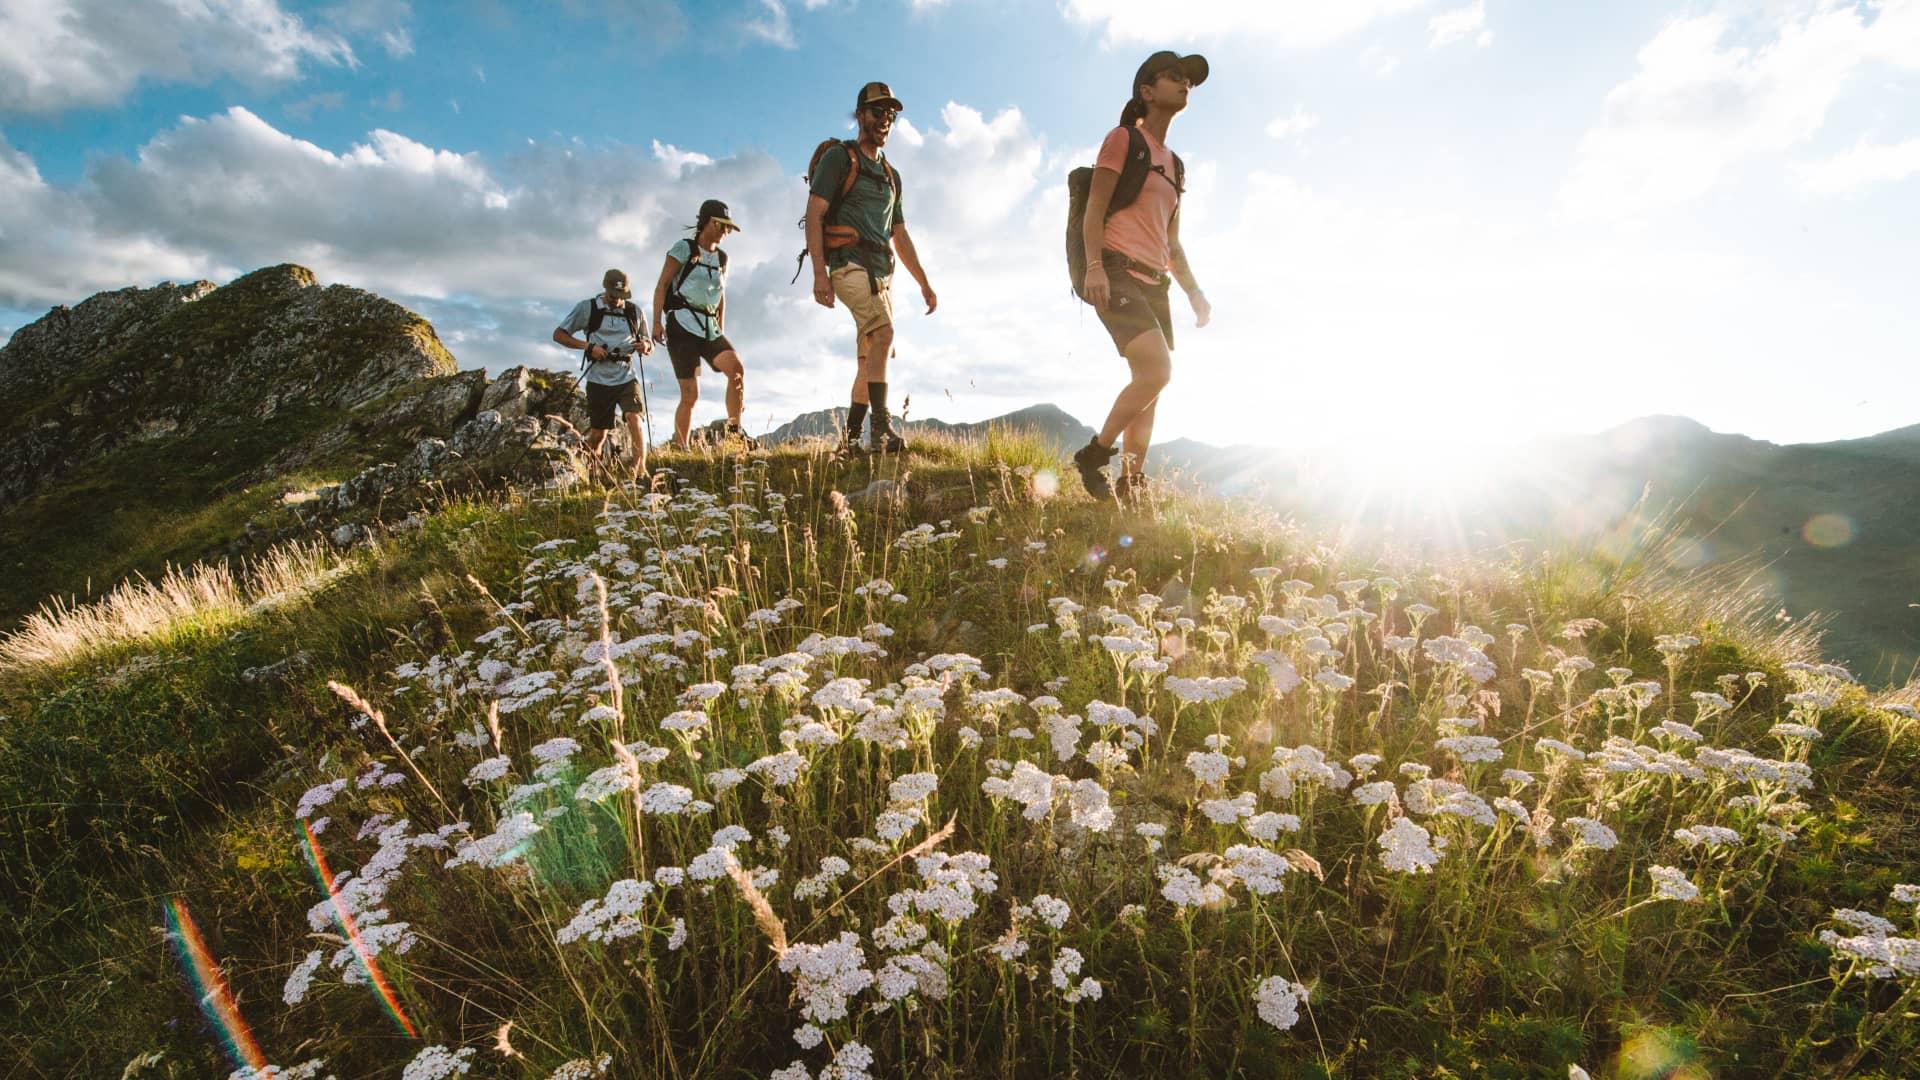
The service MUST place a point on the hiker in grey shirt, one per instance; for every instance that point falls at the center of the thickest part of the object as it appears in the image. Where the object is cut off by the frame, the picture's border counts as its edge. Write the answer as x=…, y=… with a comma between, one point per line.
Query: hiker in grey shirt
x=610, y=324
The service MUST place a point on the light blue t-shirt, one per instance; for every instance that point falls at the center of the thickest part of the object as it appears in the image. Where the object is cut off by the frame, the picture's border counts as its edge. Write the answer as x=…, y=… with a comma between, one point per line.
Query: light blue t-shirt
x=612, y=333
x=704, y=287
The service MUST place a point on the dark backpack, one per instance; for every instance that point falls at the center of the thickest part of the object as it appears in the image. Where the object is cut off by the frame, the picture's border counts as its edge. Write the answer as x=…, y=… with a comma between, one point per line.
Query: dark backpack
x=1133, y=177
x=675, y=301
x=597, y=315
x=835, y=237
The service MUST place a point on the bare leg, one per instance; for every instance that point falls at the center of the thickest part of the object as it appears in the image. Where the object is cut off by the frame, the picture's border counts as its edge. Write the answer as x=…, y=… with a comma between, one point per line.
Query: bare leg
x=879, y=349
x=595, y=437
x=639, y=445
x=683, y=413
x=1152, y=369
x=728, y=364
x=1138, y=434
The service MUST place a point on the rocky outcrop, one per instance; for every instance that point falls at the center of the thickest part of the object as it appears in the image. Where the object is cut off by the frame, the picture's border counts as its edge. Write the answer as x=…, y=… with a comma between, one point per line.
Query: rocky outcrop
x=489, y=450
x=272, y=347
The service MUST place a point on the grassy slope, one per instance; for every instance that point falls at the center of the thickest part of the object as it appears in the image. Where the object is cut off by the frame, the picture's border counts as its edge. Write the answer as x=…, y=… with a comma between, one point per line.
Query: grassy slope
x=129, y=777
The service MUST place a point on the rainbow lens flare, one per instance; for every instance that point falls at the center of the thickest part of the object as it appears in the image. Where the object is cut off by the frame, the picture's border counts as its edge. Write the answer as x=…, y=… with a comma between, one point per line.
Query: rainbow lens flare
x=210, y=988
x=382, y=988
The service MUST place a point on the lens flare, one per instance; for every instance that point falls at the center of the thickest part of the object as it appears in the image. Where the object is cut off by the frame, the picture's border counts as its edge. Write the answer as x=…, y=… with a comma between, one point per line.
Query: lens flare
x=1828, y=530
x=317, y=858
x=1126, y=541
x=1096, y=555
x=210, y=988
x=1046, y=484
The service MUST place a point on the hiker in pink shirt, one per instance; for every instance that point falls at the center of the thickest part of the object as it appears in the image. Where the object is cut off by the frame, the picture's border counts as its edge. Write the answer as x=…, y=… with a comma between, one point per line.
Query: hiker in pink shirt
x=1132, y=237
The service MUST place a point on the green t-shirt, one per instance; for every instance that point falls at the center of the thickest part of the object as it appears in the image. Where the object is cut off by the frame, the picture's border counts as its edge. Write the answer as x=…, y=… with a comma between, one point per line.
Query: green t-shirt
x=871, y=208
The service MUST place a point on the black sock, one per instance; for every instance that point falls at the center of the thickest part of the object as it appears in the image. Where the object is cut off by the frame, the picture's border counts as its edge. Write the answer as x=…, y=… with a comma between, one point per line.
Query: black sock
x=856, y=415
x=877, y=395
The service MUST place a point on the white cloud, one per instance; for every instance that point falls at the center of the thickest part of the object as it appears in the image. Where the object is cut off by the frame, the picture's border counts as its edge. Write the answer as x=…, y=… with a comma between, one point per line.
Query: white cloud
x=63, y=54
x=1460, y=24
x=383, y=21
x=1706, y=100
x=676, y=159
x=1290, y=124
x=1864, y=165
x=495, y=250
x=772, y=26
x=1303, y=24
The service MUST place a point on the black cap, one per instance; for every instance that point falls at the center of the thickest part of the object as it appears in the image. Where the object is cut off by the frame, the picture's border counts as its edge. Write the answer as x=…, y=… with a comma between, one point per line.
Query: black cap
x=1195, y=68
x=615, y=282
x=879, y=93
x=715, y=210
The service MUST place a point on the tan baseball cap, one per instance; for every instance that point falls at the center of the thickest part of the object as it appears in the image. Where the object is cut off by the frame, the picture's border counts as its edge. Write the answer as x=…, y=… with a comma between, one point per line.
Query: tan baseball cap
x=878, y=93
x=615, y=282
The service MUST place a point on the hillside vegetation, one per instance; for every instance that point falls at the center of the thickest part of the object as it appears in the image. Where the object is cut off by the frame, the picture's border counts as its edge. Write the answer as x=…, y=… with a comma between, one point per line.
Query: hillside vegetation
x=925, y=767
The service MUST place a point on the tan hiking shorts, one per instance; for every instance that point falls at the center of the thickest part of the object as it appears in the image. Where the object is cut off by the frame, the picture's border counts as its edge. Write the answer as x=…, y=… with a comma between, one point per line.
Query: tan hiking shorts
x=871, y=310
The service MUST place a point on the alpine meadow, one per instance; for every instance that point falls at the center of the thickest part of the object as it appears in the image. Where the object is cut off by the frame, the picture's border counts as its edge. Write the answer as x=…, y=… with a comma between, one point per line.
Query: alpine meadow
x=959, y=540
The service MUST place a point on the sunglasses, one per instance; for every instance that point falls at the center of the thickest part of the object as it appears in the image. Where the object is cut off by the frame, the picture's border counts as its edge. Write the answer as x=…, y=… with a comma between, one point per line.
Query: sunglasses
x=881, y=112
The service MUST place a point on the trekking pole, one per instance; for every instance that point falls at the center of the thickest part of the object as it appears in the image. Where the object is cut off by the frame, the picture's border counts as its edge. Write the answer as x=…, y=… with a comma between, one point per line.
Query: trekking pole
x=646, y=409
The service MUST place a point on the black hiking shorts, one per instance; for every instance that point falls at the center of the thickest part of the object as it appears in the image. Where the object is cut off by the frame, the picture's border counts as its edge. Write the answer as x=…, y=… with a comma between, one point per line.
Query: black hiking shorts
x=602, y=398
x=686, y=349
x=1135, y=307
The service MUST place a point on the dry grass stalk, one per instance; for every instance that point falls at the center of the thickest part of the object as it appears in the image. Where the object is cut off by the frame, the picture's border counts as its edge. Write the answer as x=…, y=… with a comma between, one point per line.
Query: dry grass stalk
x=354, y=700
x=763, y=915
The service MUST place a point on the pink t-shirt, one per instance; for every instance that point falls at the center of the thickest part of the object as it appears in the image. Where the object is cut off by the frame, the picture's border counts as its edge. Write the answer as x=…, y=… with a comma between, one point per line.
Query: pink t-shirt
x=1139, y=230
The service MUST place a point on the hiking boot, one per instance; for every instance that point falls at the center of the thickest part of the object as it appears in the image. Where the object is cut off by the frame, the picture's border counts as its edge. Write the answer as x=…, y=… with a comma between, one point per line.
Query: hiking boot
x=746, y=440
x=850, y=446
x=1090, y=459
x=889, y=442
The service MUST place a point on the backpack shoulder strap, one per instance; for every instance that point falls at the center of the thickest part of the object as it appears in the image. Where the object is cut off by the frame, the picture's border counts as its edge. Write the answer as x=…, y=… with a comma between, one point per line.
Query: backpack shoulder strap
x=686, y=265
x=1133, y=171
x=1179, y=175
x=595, y=314
x=853, y=166
x=631, y=311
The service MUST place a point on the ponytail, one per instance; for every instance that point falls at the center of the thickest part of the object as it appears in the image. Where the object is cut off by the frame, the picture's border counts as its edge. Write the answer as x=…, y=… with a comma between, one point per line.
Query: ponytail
x=1134, y=112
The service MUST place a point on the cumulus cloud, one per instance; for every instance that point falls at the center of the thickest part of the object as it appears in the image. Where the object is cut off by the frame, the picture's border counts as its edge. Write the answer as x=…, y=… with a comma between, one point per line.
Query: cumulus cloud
x=1461, y=24
x=1304, y=24
x=1712, y=93
x=494, y=249
x=1864, y=165
x=63, y=54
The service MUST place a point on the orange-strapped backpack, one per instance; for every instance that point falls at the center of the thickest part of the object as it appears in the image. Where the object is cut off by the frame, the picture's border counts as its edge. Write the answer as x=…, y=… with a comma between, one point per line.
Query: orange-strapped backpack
x=835, y=236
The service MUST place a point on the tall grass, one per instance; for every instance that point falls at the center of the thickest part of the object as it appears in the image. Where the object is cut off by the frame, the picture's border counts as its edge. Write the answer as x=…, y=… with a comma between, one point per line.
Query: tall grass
x=139, y=610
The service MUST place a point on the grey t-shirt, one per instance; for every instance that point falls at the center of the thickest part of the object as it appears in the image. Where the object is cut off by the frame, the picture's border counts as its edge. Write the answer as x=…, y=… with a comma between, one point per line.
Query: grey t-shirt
x=612, y=333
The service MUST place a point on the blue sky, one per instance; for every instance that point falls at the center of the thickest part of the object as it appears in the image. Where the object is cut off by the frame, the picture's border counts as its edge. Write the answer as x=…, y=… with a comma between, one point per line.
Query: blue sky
x=1476, y=219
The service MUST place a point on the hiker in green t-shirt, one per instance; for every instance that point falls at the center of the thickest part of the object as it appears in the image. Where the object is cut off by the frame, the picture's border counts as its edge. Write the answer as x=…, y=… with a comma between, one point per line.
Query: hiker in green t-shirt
x=853, y=249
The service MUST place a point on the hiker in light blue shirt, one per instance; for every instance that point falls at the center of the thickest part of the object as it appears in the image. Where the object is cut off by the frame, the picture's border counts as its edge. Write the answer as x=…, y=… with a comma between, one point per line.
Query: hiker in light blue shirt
x=611, y=326
x=690, y=316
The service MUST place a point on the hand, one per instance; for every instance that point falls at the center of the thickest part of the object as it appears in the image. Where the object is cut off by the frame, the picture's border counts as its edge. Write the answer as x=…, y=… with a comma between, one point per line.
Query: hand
x=1202, y=309
x=599, y=349
x=646, y=345
x=659, y=332
x=926, y=293
x=1096, y=290
x=822, y=289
